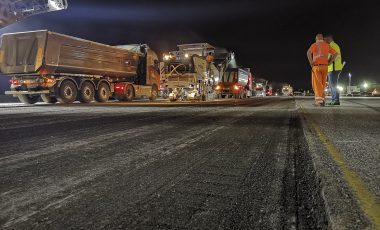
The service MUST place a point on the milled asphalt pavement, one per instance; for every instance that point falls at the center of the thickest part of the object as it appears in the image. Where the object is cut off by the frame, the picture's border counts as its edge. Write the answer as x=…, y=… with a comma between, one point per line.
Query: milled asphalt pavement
x=263, y=163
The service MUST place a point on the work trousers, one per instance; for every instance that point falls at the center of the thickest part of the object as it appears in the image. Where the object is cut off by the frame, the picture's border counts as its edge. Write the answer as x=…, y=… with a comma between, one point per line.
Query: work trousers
x=319, y=79
x=333, y=84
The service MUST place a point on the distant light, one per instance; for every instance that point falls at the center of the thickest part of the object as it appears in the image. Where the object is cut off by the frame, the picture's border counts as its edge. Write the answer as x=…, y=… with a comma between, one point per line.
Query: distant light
x=186, y=55
x=365, y=85
x=166, y=57
x=340, y=88
x=349, y=74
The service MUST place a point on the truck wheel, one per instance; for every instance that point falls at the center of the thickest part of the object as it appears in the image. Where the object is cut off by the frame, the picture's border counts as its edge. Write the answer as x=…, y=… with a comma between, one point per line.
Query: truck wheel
x=48, y=99
x=87, y=92
x=129, y=93
x=67, y=92
x=29, y=99
x=154, y=93
x=103, y=93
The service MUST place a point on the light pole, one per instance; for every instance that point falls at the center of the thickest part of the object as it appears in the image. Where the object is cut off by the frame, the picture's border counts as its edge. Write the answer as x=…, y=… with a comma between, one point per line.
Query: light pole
x=365, y=85
x=349, y=93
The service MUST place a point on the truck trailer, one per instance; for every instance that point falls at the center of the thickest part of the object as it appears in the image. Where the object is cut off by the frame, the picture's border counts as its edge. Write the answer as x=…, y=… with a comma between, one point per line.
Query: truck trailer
x=62, y=68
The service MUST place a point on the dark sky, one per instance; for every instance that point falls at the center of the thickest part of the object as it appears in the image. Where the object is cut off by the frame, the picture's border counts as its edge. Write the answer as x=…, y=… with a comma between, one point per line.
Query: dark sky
x=270, y=36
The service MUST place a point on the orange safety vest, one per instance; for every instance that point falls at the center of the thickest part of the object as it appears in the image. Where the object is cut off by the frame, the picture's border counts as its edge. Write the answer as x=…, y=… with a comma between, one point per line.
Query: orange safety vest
x=321, y=51
x=209, y=58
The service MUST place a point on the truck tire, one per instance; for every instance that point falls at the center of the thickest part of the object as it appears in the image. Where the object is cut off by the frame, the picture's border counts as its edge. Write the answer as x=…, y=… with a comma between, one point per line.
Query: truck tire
x=87, y=92
x=48, y=99
x=29, y=99
x=129, y=93
x=67, y=92
x=103, y=93
x=154, y=93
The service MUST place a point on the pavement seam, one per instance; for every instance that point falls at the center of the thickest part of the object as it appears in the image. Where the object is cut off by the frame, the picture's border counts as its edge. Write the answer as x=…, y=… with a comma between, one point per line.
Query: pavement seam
x=368, y=201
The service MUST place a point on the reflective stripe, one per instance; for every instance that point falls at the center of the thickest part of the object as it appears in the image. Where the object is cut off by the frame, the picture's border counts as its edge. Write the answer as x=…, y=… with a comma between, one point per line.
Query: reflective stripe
x=319, y=51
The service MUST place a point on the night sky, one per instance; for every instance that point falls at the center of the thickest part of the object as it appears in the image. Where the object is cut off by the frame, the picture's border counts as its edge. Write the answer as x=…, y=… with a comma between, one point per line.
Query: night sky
x=270, y=36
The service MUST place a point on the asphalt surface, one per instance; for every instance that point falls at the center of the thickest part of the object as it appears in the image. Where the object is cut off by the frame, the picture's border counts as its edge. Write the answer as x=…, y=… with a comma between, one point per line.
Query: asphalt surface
x=250, y=164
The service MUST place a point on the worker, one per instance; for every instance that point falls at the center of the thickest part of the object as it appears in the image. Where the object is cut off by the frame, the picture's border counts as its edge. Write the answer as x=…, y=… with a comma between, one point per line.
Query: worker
x=334, y=71
x=209, y=58
x=319, y=59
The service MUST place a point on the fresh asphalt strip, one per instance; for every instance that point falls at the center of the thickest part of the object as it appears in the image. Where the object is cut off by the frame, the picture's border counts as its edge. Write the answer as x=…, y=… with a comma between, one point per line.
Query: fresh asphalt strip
x=368, y=201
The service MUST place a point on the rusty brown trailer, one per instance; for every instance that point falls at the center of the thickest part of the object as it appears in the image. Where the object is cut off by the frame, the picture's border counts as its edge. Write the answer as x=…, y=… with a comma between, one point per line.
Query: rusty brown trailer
x=45, y=52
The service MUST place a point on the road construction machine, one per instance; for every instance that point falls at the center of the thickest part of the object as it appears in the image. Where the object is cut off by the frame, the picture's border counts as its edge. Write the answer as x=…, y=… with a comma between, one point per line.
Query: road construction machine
x=62, y=68
x=287, y=90
x=187, y=75
x=235, y=83
x=261, y=87
x=12, y=11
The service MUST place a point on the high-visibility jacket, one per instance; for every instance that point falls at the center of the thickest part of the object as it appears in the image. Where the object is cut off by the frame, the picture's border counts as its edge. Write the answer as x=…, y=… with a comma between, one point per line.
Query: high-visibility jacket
x=209, y=58
x=321, y=51
x=337, y=65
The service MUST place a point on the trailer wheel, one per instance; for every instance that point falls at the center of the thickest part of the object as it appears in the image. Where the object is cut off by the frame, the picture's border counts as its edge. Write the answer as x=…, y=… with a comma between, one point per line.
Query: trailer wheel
x=87, y=92
x=48, y=99
x=103, y=93
x=67, y=92
x=154, y=93
x=29, y=99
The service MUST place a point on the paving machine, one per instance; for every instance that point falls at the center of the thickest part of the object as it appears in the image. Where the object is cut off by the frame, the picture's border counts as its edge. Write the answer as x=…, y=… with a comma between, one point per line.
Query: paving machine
x=186, y=75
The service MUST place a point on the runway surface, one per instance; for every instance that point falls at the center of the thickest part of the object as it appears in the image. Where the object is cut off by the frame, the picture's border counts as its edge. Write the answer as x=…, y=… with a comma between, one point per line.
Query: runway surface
x=263, y=163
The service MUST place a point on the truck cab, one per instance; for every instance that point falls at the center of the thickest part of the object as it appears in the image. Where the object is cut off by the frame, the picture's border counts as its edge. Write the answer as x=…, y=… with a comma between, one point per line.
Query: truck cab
x=236, y=83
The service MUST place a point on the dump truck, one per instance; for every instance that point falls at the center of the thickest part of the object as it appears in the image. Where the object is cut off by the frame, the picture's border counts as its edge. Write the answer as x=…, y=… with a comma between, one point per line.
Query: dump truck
x=186, y=75
x=63, y=68
x=12, y=11
x=236, y=83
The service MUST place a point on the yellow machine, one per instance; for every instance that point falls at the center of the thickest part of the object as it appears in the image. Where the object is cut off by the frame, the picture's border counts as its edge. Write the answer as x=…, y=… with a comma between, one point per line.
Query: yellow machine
x=186, y=74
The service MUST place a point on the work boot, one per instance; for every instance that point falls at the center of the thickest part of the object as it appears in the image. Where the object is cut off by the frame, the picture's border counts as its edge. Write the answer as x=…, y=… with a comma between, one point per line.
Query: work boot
x=319, y=104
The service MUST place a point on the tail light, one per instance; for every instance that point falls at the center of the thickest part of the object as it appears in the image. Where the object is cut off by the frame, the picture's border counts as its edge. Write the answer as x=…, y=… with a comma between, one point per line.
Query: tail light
x=217, y=87
x=14, y=82
x=119, y=88
x=236, y=87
